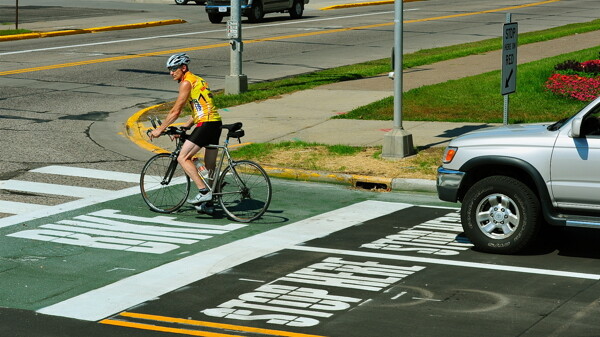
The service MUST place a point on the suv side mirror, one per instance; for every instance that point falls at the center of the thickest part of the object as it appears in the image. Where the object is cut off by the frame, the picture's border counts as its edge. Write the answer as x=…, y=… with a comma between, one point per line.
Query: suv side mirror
x=576, y=127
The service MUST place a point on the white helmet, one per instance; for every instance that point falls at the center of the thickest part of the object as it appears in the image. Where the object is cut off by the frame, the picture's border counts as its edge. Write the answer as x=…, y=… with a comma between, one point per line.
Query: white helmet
x=177, y=60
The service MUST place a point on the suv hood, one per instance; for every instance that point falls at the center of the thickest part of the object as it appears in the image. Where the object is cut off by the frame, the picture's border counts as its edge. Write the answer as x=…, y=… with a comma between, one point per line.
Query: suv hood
x=518, y=134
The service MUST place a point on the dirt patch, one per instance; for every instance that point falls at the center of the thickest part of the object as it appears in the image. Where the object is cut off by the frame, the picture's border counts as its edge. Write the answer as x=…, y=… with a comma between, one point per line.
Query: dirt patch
x=423, y=165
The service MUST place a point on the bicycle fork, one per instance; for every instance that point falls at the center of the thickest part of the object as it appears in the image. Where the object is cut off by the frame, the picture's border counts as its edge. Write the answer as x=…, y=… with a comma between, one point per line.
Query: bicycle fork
x=170, y=170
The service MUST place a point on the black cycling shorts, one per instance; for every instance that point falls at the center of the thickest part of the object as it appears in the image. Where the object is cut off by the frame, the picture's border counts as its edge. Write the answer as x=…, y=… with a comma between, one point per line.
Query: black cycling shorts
x=208, y=133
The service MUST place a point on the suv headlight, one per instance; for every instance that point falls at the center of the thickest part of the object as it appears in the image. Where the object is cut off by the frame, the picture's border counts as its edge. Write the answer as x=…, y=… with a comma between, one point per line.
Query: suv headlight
x=449, y=154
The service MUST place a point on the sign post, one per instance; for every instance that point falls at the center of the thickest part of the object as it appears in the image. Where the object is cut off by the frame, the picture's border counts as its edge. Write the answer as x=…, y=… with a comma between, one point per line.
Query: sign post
x=398, y=143
x=236, y=82
x=510, y=33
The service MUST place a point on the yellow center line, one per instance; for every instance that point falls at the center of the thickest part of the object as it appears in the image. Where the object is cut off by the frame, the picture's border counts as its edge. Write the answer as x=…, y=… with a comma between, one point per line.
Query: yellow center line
x=208, y=324
x=165, y=329
x=220, y=45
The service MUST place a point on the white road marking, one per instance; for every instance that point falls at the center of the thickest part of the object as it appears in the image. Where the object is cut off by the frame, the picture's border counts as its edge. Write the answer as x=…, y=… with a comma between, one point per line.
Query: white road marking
x=399, y=295
x=54, y=189
x=14, y=207
x=89, y=173
x=113, y=298
x=547, y=272
x=68, y=206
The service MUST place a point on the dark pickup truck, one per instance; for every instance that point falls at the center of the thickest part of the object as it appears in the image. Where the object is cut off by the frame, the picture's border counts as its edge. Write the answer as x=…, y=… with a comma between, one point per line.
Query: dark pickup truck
x=254, y=10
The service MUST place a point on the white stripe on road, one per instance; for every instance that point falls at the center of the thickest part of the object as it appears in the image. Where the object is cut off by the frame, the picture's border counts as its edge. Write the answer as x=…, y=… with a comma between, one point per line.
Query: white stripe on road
x=89, y=173
x=113, y=298
x=14, y=207
x=68, y=206
x=548, y=272
x=54, y=189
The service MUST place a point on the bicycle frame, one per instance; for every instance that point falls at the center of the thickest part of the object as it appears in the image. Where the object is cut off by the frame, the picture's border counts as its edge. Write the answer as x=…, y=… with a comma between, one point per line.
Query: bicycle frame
x=218, y=168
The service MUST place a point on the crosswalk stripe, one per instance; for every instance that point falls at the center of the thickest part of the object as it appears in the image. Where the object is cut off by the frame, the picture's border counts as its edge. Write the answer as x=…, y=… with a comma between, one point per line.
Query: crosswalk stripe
x=13, y=207
x=89, y=173
x=54, y=189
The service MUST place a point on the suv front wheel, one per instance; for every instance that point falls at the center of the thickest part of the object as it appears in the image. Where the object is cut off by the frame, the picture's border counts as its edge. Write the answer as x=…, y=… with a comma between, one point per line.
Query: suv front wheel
x=500, y=215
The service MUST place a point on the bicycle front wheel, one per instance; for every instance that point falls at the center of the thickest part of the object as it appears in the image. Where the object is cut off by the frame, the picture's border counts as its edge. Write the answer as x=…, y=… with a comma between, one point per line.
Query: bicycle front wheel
x=164, y=184
x=244, y=191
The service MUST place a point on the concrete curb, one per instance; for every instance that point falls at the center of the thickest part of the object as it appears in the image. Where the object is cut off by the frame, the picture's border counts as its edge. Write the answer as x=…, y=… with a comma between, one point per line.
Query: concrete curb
x=89, y=30
x=136, y=133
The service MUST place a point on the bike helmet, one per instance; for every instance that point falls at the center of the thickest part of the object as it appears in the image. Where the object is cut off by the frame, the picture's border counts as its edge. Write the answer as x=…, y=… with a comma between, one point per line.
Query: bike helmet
x=178, y=60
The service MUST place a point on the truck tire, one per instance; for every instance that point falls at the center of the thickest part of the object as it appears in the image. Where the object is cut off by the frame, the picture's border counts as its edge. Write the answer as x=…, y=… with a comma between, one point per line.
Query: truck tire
x=256, y=13
x=215, y=17
x=297, y=9
x=181, y=2
x=500, y=215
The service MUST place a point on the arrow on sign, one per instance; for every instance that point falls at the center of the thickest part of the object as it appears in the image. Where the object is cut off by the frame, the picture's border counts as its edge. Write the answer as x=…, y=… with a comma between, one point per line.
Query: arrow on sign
x=508, y=78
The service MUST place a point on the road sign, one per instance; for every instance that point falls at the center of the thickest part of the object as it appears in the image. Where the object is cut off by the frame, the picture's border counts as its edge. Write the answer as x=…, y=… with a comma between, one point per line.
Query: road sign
x=509, y=58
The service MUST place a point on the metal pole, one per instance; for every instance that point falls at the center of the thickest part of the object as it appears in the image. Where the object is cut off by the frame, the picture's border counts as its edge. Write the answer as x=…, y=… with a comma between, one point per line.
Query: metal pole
x=236, y=47
x=398, y=142
x=17, y=15
x=236, y=82
x=506, y=99
x=398, y=47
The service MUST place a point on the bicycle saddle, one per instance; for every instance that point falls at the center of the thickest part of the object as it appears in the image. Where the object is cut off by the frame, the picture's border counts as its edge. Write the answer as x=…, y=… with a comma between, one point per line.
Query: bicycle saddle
x=235, y=130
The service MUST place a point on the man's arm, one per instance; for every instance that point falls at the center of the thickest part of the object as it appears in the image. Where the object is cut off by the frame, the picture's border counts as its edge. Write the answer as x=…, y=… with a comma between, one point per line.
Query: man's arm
x=185, y=87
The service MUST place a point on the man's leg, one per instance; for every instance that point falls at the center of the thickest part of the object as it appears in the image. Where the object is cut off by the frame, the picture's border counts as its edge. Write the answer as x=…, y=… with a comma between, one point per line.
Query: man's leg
x=188, y=150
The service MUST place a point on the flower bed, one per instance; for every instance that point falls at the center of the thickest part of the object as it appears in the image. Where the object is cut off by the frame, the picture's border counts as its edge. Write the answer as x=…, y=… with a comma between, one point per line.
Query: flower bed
x=577, y=80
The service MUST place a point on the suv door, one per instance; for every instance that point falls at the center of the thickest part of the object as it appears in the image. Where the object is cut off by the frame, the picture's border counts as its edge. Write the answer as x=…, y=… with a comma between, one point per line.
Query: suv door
x=276, y=5
x=575, y=166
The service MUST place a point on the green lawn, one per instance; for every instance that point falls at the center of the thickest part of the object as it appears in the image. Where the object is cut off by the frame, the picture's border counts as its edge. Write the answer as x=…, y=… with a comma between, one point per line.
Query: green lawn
x=478, y=99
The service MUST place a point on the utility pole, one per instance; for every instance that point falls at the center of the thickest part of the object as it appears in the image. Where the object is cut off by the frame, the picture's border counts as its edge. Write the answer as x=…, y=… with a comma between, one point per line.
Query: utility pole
x=235, y=82
x=398, y=142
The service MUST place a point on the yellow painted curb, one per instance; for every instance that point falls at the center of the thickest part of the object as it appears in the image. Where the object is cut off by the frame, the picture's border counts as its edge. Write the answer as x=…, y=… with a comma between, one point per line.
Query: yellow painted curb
x=135, y=25
x=339, y=178
x=136, y=132
x=89, y=30
x=360, y=4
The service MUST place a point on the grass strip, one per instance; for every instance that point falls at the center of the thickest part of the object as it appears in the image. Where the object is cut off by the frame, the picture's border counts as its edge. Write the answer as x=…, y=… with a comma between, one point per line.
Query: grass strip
x=477, y=98
x=5, y=32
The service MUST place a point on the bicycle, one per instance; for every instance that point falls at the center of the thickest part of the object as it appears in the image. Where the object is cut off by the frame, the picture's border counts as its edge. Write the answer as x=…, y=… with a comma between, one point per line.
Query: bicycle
x=242, y=187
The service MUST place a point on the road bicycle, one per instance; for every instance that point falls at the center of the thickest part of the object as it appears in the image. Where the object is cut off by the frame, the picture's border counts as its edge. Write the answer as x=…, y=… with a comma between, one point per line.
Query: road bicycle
x=241, y=187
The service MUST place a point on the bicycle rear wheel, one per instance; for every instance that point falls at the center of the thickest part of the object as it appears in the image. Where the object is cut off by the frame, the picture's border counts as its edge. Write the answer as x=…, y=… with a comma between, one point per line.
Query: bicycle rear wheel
x=164, y=184
x=244, y=191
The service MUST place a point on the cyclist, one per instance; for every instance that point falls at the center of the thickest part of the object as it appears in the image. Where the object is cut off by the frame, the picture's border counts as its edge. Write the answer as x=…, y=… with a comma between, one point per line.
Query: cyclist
x=195, y=91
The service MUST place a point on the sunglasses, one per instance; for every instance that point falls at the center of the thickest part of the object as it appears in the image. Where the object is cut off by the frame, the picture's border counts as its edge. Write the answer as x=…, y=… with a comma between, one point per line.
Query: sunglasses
x=173, y=68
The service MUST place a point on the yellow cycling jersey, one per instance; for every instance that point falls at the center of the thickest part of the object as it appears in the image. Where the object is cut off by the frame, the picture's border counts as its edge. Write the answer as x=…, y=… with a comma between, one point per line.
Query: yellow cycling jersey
x=201, y=100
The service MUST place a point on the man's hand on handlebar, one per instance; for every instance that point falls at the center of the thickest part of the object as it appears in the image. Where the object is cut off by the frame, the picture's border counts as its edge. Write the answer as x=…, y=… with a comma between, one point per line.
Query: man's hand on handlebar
x=154, y=134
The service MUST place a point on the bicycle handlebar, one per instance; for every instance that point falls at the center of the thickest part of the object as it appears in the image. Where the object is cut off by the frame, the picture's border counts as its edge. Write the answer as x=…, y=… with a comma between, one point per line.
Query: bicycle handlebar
x=170, y=131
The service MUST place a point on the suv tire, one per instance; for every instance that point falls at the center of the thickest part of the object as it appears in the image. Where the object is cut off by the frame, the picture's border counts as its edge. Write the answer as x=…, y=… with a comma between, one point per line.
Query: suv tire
x=215, y=17
x=500, y=215
x=256, y=12
x=297, y=9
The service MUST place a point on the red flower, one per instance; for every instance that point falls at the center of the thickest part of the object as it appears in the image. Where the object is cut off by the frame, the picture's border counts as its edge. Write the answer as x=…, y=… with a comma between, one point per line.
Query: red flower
x=575, y=86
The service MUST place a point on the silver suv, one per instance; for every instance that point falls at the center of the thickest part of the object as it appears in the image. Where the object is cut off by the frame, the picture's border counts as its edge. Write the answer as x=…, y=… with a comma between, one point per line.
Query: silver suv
x=254, y=9
x=513, y=179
